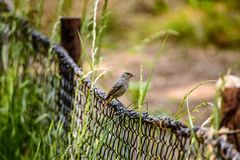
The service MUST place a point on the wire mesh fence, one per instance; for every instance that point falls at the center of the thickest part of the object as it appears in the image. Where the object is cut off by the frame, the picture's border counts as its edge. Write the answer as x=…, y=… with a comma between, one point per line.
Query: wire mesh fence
x=124, y=134
x=111, y=132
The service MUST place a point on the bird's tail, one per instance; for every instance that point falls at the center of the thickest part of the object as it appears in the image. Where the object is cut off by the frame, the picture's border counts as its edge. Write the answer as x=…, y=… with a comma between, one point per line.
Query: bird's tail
x=107, y=101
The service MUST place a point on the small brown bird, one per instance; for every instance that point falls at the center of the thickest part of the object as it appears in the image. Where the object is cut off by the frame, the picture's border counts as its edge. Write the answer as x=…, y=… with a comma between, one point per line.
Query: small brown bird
x=119, y=87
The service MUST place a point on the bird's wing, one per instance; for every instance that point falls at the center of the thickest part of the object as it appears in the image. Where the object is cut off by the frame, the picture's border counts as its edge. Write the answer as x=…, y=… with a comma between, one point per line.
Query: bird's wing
x=115, y=88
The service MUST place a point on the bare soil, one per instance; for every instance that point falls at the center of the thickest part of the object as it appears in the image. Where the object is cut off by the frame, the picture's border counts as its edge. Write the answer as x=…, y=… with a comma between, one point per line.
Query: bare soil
x=178, y=71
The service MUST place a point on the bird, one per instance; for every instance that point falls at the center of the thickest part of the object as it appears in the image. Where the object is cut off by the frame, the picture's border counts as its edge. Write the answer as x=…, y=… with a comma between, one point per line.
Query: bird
x=119, y=87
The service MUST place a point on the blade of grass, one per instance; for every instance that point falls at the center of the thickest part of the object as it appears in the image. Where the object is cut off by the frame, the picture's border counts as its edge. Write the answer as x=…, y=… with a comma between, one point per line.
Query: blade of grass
x=180, y=111
x=85, y=51
x=38, y=147
x=153, y=68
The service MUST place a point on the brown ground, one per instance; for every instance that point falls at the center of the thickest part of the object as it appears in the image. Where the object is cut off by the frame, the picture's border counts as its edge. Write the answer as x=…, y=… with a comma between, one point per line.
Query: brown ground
x=177, y=72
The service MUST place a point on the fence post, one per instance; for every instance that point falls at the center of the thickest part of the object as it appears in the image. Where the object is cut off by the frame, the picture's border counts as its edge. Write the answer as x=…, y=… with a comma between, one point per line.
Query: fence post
x=70, y=40
x=70, y=27
x=230, y=109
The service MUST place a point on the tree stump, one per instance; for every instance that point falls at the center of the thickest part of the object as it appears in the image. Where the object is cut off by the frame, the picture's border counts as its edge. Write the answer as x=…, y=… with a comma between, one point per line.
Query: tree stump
x=230, y=109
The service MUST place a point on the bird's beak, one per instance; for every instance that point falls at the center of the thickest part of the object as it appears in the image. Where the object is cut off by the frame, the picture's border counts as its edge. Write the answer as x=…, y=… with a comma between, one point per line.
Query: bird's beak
x=133, y=75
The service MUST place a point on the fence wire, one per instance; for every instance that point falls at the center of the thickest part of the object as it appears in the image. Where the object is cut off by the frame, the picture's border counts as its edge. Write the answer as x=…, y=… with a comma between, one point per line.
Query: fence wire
x=113, y=132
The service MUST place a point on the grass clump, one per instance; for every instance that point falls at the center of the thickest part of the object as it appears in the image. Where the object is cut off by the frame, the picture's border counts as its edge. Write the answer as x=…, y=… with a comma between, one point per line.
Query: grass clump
x=28, y=90
x=24, y=111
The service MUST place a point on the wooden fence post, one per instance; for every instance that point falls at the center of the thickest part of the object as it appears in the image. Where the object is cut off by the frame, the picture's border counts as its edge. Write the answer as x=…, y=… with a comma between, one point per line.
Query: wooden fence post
x=70, y=26
x=70, y=40
x=230, y=109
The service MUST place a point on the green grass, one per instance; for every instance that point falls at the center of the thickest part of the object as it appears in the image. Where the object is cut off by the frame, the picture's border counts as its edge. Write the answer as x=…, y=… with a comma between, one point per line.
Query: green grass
x=185, y=110
x=28, y=125
x=24, y=111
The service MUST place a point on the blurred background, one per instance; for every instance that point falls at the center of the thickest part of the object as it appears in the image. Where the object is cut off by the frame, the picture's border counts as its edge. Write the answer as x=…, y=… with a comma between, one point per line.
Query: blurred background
x=188, y=41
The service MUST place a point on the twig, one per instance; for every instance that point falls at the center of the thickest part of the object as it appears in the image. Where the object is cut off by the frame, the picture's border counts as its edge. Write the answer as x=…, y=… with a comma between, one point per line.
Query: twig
x=229, y=132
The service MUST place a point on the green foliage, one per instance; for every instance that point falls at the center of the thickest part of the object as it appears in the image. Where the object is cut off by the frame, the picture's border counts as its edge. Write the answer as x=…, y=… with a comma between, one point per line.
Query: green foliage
x=27, y=126
x=182, y=25
x=134, y=88
x=160, y=6
x=93, y=28
x=198, y=22
x=184, y=109
x=223, y=31
x=64, y=7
